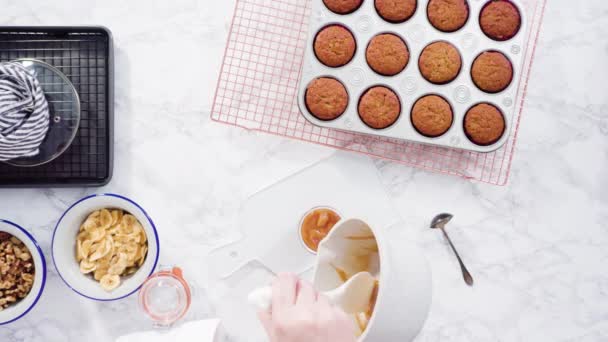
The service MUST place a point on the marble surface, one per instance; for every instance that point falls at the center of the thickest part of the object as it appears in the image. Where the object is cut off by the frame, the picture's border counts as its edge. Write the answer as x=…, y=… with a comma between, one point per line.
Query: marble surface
x=537, y=247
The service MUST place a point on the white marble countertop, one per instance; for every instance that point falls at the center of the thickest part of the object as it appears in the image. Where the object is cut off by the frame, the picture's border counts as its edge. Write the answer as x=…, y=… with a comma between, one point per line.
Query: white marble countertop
x=537, y=247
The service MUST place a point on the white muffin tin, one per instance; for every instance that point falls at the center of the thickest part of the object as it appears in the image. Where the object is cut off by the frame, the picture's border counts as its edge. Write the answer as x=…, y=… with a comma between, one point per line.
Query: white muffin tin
x=417, y=32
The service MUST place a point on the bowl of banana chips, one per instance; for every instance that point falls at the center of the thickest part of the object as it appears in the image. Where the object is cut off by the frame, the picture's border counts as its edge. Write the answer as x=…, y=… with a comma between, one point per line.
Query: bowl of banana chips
x=105, y=247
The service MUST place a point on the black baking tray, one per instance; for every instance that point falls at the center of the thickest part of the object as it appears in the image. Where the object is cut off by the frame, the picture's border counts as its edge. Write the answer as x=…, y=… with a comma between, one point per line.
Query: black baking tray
x=86, y=56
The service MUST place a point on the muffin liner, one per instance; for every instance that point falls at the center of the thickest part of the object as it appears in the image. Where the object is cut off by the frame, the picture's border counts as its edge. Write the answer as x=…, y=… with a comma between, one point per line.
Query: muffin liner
x=417, y=32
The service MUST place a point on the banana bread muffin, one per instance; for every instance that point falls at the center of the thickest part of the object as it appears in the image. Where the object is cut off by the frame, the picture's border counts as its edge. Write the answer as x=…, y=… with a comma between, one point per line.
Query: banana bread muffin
x=492, y=72
x=448, y=15
x=387, y=54
x=484, y=124
x=335, y=46
x=343, y=6
x=396, y=11
x=432, y=116
x=500, y=20
x=440, y=62
x=326, y=98
x=379, y=107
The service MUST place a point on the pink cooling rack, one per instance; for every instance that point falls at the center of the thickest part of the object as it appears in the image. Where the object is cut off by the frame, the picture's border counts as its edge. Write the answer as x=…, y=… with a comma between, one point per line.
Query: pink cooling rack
x=258, y=86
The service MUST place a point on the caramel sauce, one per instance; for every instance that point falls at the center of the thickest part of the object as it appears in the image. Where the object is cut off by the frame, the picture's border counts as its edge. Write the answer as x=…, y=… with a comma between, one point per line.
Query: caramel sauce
x=342, y=274
x=363, y=318
x=316, y=225
x=372, y=301
x=361, y=238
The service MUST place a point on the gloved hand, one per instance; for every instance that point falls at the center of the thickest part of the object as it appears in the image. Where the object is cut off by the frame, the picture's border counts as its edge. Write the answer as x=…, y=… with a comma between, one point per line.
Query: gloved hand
x=299, y=314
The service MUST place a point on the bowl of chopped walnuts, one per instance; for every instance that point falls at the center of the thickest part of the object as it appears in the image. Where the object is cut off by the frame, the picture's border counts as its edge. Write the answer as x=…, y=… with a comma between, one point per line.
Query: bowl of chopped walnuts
x=22, y=272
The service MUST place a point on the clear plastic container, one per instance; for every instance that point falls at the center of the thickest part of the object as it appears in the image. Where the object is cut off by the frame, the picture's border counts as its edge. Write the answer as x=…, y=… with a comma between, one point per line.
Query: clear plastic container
x=165, y=297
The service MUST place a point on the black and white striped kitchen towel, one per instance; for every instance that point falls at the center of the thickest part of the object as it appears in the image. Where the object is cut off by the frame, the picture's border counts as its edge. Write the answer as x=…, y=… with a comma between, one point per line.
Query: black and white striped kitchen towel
x=24, y=112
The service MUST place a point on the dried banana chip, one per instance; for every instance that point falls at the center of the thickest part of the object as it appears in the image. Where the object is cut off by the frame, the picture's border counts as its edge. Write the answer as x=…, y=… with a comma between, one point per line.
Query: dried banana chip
x=119, y=264
x=137, y=228
x=83, y=249
x=135, y=238
x=87, y=267
x=116, y=217
x=133, y=258
x=114, y=230
x=96, y=234
x=109, y=282
x=142, y=256
x=105, y=219
x=111, y=243
x=130, y=270
x=142, y=236
x=101, y=271
x=106, y=260
x=79, y=250
x=129, y=220
x=102, y=248
x=130, y=250
x=123, y=239
x=92, y=221
x=138, y=235
x=82, y=235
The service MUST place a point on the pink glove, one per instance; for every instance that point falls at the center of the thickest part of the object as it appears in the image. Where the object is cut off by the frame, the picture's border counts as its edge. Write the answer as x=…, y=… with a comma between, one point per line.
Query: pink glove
x=299, y=314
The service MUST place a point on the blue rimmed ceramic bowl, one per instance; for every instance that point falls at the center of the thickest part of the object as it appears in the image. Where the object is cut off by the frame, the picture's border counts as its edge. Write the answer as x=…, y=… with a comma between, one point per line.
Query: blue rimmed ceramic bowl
x=64, y=247
x=15, y=312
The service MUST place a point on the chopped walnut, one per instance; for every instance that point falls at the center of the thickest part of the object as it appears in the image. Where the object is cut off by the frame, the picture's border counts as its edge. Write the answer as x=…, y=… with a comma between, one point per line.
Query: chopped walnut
x=16, y=270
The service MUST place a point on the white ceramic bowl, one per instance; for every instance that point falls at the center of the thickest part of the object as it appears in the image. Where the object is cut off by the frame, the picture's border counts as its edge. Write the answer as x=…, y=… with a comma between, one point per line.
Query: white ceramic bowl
x=64, y=246
x=405, y=285
x=19, y=310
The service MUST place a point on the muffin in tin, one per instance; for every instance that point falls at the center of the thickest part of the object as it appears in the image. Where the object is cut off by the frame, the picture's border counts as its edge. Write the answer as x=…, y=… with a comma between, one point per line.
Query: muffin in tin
x=432, y=116
x=326, y=98
x=396, y=11
x=387, y=54
x=440, y=62
x=448, y=15
x=343, y=6
x=484, y=124
x=335, y=46
x=492, y=72
x=379, y=107
x=500, y=20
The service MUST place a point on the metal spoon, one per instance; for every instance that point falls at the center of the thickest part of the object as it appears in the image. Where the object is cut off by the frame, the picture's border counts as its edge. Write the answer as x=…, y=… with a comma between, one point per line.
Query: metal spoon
x=439, y=222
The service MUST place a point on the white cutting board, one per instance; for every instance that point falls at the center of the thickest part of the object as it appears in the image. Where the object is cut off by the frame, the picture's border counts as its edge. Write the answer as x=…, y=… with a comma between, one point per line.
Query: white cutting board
x=269, y=220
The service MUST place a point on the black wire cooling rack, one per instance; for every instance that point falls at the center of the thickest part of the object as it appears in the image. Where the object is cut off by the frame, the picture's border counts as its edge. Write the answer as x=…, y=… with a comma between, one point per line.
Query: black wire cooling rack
x=85, y=56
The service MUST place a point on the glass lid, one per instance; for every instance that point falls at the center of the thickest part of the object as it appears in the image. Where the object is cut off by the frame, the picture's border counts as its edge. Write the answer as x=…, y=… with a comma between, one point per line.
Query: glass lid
x=64, y=108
